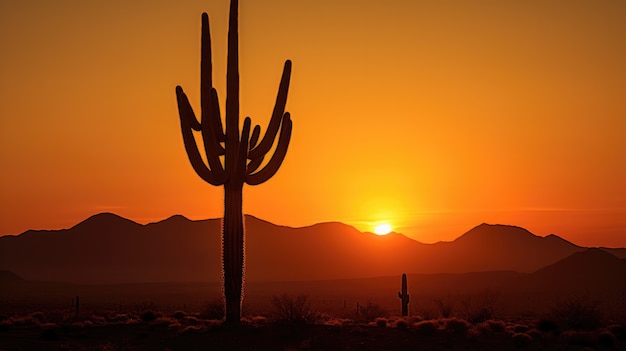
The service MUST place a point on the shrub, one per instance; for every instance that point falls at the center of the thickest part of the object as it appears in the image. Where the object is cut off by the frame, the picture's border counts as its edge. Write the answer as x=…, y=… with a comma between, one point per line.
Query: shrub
x=444, y=306
x=401, y=323
x=456, y=325
x=521, y=339
x=381, y=322
x=427, y=327
x=480, y=308
x=290, y=309
x=496, y=326
x=547, y=326
x=372, y=311
x=148, y=316
x=578, y=313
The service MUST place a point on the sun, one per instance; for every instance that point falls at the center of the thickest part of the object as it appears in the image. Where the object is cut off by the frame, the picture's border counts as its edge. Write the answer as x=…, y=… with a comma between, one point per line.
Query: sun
x=382, y=229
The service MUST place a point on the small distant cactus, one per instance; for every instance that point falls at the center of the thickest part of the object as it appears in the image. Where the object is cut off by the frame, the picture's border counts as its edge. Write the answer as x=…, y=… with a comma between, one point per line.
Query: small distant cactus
x=404, y=296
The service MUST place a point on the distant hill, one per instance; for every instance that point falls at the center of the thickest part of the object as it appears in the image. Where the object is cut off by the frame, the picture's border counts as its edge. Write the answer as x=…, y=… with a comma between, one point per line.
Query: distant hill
x=106, y=248
x=589, y=269
x=8, y=277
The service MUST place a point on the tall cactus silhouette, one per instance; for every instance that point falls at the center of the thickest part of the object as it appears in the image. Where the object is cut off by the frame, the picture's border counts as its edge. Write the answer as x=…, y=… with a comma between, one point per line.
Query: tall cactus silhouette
x=404, y=296
x=242, y=155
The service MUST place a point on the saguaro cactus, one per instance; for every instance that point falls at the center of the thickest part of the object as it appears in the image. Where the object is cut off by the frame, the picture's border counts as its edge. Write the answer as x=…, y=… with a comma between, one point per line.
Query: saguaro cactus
x=242, y=155
x=404, y=296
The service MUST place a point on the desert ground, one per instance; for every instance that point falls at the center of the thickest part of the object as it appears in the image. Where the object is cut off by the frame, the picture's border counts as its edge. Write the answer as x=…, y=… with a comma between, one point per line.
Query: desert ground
x=339, y=315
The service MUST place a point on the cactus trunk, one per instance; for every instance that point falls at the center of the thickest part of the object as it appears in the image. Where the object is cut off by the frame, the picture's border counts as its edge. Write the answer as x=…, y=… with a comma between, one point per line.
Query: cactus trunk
x=404, y=296
x=245, y=156
x=232, y=252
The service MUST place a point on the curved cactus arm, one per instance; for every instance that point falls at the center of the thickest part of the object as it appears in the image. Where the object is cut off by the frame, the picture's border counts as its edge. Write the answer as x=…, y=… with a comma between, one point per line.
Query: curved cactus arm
x=232, y=80
x=186, y=116
x=277, y=158
x=185, y=110
x=243, y=148
x=279, y=109
x=253, y=165
x=399, y=294
x=212, y=149
x=255, y=136
x=215, y=122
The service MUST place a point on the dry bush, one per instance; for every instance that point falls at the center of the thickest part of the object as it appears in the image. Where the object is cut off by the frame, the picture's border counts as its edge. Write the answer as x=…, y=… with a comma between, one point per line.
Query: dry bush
x=381, y=322
x=577, y=313
x=456, y=325
x=401, y=323
x=427, y=327
x=547, y=325
x=521, y=339
x=372, y=311
x=445, y=306
x=289, y=309
x=482, y=307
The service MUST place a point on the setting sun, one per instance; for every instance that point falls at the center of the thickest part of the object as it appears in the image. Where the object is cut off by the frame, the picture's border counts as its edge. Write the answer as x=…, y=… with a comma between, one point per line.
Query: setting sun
x=382, y=229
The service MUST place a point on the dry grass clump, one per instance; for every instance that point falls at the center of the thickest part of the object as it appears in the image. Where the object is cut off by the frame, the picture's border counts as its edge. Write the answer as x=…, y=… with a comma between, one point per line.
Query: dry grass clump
x=577, y=313
x=521, y=339
x=456, y=326
x=289, y=309
x=426, y=327
x=401, y=323
x=380, y=322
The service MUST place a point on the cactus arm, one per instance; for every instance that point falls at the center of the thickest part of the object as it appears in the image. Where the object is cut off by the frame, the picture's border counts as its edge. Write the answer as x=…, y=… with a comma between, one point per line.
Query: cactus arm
x=216, y=126
x=212, y=148
x=185, y=110
x=255, y=136
x=275, y=121
x=232, y=85
x=254, y=164
x=186, y=117
x=277, y=158
x=399, y=294
x=243, y=148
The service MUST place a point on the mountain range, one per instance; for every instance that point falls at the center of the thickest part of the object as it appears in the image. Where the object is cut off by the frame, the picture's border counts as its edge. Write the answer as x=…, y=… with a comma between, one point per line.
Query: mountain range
x=107, y=248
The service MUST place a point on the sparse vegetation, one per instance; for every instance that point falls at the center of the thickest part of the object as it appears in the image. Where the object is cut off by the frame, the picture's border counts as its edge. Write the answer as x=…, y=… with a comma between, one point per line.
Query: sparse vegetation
x=577, y=313
x=480, y=307
x=289, y=309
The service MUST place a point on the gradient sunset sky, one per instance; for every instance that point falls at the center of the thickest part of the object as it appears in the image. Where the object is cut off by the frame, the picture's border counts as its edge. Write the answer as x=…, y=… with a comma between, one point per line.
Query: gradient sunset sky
x=434, y=116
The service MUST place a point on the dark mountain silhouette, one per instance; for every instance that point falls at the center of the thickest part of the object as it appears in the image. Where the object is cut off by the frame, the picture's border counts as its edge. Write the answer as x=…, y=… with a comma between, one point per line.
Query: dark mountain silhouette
x=501, y=247
x=8, y=277
x=592, y=268
x=107, y=248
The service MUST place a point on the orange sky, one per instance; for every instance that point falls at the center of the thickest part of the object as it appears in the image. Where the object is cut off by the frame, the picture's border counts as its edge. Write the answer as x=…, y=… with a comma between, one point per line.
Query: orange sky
x=432, y=115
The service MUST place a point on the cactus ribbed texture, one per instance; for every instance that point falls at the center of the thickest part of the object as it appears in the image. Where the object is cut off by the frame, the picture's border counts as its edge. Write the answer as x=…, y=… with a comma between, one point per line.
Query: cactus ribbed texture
x=404, y=296
x=242, y=155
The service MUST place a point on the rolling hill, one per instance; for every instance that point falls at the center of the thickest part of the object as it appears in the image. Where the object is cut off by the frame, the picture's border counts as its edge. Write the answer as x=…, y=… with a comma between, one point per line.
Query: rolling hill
x=106, y=248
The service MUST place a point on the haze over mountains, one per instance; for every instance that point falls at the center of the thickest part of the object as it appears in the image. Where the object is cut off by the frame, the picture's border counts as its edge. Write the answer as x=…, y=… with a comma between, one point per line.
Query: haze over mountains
x=106, y=248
